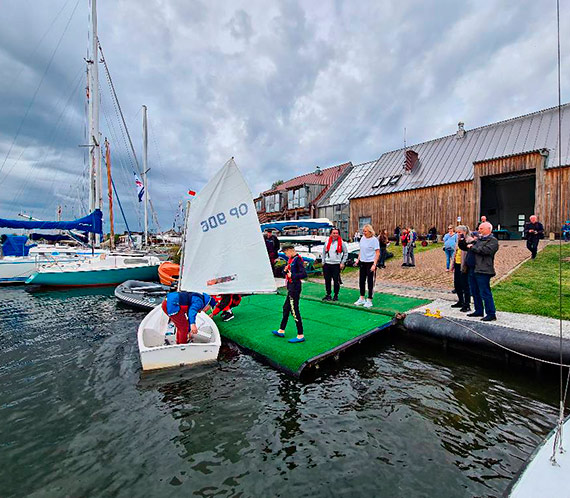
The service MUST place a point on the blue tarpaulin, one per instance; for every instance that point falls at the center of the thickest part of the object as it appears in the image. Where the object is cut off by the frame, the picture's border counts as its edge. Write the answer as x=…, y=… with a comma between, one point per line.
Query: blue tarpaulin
x=15, y=245
x=91, y=223
x=308, y=223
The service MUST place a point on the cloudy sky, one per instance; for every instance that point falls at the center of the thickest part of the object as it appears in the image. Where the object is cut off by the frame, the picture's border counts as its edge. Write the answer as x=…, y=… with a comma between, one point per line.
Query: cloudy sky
x=283, y=86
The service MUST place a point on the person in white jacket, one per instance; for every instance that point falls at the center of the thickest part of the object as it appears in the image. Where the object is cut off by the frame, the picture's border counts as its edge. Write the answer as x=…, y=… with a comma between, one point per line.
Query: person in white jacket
x=335, y=254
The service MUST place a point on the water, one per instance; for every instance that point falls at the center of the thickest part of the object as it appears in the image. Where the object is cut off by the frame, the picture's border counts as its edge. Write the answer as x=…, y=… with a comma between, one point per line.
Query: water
x=76, y=419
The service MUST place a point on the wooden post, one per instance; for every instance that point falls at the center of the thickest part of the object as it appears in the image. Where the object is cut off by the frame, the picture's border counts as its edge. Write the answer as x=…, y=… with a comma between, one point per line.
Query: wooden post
x=110, y=192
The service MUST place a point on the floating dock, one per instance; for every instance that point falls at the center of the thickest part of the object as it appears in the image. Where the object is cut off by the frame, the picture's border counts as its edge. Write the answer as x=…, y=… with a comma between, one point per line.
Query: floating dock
x=514, y=336
x=330, y=327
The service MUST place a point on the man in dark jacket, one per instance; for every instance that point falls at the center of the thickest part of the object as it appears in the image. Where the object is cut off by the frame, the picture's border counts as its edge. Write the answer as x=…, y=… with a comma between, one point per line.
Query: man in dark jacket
x=484, y=249
x=533, y=232
x=272, y=245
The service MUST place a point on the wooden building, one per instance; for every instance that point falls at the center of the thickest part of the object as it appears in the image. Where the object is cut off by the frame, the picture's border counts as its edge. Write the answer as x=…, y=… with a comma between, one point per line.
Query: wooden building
x=505, y=171
x=297, y=198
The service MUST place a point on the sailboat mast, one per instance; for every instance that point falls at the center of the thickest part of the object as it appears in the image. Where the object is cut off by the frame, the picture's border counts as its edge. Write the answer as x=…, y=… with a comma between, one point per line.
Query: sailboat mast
x=110, y=194
x=145, y=171
x=96, y=191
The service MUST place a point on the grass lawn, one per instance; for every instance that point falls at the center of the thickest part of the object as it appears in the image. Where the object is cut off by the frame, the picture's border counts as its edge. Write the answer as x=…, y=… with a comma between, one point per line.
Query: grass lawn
x=534, y=287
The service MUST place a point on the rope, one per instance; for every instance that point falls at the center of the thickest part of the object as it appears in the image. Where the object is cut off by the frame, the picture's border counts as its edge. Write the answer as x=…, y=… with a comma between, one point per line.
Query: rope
x=38, y=87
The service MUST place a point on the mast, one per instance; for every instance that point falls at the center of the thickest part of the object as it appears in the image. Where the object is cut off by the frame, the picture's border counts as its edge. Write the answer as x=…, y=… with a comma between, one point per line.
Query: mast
x=110, y=193
x=95, y=186
x=145, y=171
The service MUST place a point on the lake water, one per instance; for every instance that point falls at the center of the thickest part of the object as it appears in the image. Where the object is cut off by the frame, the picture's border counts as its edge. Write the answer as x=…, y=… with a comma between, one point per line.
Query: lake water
x=393, y=420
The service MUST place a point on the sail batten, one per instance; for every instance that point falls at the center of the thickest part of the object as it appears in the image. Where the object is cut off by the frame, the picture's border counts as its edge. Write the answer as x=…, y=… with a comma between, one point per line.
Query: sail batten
x=224, y=250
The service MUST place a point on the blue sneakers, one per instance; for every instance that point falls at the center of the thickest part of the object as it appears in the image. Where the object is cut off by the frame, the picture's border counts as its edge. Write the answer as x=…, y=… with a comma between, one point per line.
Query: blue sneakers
x=277, y=333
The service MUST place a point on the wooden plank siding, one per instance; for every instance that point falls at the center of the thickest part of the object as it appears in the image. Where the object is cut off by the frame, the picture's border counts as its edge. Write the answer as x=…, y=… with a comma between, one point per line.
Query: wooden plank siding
x=421, y=208
x=440, y=206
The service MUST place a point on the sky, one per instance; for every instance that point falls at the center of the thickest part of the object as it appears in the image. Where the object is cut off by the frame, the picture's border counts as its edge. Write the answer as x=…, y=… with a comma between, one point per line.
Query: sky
x=282, y=86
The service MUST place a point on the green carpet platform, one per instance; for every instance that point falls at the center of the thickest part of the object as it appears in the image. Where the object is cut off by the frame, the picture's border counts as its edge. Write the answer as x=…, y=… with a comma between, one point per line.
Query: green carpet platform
x=330, y=327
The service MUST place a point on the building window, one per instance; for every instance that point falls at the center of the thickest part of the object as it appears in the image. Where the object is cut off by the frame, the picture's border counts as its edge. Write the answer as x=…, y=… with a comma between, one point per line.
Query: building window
x=363, y=220
x=272, y=203
x=297, y=198
x=258, y=205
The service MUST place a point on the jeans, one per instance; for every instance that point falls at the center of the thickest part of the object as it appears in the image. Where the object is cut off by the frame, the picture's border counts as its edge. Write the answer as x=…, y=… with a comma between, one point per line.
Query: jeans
x=448, y=255
x=480, y=285
x=383, y=252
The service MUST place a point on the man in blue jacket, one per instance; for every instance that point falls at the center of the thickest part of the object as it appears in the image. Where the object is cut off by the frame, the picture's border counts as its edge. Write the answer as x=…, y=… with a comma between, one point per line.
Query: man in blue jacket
x=182, y=308
x=294, y=271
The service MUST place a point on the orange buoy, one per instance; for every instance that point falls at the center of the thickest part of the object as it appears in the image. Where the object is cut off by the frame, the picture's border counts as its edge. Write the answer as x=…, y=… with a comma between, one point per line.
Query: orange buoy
x=168, y=273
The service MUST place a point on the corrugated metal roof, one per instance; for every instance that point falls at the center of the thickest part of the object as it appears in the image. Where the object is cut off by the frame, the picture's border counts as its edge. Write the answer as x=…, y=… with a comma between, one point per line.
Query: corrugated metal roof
x=347, y=185
x=450, y=159
x=326, y=177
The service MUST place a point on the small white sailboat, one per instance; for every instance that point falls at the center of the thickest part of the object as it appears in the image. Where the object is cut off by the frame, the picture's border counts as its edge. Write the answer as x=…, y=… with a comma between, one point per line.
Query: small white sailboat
x=544, y=475
x=221, y=214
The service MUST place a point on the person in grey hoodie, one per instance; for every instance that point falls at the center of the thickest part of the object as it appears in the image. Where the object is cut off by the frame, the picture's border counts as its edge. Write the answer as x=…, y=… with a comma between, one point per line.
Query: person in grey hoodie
x=335, y=254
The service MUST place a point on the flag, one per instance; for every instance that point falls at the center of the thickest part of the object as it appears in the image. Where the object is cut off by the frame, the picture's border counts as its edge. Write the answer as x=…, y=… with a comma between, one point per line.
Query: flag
x=191, y=192
x=140, y=187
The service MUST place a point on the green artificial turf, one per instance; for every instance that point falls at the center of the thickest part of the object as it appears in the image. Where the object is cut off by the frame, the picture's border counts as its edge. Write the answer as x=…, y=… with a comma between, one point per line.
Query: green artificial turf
x=325, y=326
x=534, y=288
x=386, y=304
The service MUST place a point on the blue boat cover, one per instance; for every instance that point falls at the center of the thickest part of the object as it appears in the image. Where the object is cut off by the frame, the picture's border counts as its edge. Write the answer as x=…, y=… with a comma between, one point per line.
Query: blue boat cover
x=49, y=237
x=15, y=245
x=91, y=223
x=311, y=224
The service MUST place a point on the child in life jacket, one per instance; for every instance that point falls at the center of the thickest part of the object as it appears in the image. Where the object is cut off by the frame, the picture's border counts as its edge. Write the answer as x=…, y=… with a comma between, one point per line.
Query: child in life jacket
x=224, y=305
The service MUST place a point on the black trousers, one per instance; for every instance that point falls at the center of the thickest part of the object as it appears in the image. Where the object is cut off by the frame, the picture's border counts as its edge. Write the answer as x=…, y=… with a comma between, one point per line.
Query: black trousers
x=532, y=246
x=366, y=276
x=291, y=306
x=331, y=272
x=461, y=282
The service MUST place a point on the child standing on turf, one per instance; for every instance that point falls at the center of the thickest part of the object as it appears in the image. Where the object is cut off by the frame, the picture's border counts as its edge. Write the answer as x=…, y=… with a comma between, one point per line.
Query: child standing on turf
x=294, y=271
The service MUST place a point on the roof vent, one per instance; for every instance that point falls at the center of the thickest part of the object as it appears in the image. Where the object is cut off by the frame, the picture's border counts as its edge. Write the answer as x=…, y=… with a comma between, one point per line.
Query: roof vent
x=460, y=130
x=318, y=171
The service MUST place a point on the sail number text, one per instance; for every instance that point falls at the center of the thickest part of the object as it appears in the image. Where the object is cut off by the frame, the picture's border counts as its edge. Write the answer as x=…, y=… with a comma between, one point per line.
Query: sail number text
x=221, y=219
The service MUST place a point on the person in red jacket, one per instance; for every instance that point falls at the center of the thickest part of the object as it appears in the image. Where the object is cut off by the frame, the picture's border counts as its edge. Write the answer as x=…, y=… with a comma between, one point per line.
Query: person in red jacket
x=224, y=305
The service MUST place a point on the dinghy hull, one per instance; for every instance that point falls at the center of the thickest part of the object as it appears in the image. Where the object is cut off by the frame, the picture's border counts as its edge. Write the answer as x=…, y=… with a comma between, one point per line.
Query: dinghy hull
x=141, y=295
x=155, y=354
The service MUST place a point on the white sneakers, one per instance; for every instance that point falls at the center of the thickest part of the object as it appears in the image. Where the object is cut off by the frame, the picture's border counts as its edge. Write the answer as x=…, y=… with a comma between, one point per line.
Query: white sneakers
x=367, y=303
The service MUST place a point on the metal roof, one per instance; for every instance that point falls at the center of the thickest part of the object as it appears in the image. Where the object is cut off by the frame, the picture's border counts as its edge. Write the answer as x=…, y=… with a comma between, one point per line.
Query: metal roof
x=347, y=184
x=325, y=177
x=450, y=159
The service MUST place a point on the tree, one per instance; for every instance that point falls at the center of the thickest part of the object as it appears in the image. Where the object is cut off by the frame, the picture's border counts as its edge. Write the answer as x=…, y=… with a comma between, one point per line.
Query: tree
x=276, y=183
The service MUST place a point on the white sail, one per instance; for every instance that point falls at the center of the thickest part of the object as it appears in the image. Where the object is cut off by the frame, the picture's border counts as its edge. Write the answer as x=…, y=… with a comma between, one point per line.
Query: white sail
x=224, y=250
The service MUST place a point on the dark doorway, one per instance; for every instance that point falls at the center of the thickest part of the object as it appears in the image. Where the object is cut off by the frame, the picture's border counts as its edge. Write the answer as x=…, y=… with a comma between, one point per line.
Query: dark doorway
x=508, y=200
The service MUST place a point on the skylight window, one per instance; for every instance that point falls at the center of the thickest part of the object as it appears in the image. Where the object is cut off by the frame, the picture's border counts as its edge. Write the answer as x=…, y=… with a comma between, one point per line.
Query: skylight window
x=377, y=183
x=395, y=179
x=385, y=181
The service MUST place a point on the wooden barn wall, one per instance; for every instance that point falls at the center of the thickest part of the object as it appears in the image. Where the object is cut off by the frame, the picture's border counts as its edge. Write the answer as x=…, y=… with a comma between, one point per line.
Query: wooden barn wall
x=421, y=208
x=553, y=211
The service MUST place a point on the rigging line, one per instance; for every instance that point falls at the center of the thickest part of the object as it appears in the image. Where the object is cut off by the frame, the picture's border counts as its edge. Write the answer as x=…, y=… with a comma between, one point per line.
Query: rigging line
x=118, y=105
x=160, y=164
x=560, y=424
x=38, y=87
x=506, y=348
x=32, y=53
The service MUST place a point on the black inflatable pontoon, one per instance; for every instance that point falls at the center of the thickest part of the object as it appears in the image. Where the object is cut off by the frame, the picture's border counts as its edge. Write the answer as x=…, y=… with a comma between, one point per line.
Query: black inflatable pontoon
x=142, y=295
